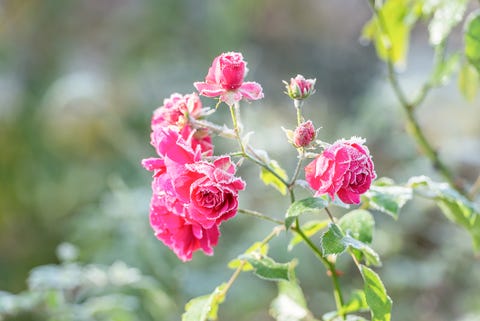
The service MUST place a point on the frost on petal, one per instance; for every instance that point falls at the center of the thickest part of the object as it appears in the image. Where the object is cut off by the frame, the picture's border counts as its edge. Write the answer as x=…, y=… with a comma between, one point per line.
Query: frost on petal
x=151, y=164
x=175, y=231
x=344, y=169
x=225, y=79
x=251, y=91
x=209, y=90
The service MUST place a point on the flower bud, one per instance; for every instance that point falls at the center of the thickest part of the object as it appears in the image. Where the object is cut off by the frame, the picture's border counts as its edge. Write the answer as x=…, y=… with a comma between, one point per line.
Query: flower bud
x=300, y=88
x=304, y=134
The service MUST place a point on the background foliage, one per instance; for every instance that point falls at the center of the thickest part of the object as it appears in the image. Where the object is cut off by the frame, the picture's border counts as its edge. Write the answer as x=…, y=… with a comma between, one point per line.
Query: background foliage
x=78, y=83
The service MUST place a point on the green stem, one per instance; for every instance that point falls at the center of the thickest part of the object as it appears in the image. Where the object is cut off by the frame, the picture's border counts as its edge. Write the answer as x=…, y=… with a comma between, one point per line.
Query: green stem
x=252, y=156
x=219, y=130
x=298, y=107
x=301, y=157
x=233, y=277
x=412, y=125
x=337, y=291
x=259, y=215
x=234, y=114
x=329, y=215
x=275, y=232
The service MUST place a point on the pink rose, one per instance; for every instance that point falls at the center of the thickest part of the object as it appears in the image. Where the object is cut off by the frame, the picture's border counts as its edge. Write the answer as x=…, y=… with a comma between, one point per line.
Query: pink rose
x=174, y=113
x=304, y=134
x=225, y=79
x=169, y=142
x=175, y=110
x=182, y=236
x=211, y=190
x=299, y=87
x=195, y=139
x=168, y=213
x=191, y=197
x=344, y=168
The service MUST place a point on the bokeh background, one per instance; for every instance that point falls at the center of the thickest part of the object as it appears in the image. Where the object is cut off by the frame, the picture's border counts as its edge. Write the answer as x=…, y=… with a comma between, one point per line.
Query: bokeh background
x=79, y=81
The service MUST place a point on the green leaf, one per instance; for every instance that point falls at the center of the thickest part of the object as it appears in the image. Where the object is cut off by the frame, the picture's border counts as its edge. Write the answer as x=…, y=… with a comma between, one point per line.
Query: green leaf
x=266, y=268
x=472, y=39
x=309, y=229
x=445, y=70
x=453, y=205
x=290, y=304
x=258, y=247
x=333, y=316
x=397, y=18
x=388, y=199
x=359, y=224
x=377, y=299
x=356, y=303
x=447, y=14
x=468, y=81
x=270, y=179
x=332, y=240
x=307, y=205
x=362, y=250
x=204, y=307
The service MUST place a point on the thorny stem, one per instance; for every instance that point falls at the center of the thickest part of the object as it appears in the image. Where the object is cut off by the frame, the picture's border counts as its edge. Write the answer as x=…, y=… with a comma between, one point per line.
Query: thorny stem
x=275, y=232
x=298, y=106
x=337, y=291
x=329, y=214
x=260, y=215
x=412, y=126
x=220, y=130
x=234, y=114
x=297, y=169
x=233, y=277
x=232, y=134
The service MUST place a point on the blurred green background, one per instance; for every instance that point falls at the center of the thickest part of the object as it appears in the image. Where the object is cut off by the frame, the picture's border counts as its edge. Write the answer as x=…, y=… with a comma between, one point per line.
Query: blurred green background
x=78, y=83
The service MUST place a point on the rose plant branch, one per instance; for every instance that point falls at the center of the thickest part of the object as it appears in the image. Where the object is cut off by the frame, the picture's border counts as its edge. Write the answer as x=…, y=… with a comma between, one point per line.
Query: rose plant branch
x=328, y=264
x=275, y=232
x=194, y=191
x=234, y=115
x=412, y=126
x=260, y=216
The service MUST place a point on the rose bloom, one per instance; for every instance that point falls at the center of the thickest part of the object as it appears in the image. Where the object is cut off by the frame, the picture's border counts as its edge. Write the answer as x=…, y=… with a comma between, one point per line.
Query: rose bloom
x=299, y=87
x=183, y=237
x=344, y=169
x=191, y=197
x=225, y=80
x=174, y=113
x=175, y=109
x=211, y=189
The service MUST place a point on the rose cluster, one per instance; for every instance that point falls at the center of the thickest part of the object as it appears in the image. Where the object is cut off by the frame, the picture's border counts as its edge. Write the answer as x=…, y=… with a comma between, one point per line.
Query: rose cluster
x=191, y=196
x=195, y=191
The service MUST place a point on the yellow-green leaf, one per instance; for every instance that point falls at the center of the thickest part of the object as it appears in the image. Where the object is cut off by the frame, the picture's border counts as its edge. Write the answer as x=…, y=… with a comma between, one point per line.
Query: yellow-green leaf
x=468, y=81
x=377, y=298
x=257, y=247
x=390, y=30
x=269, y=178
x=472, y=39
x=309, y=229
x=204, y=307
